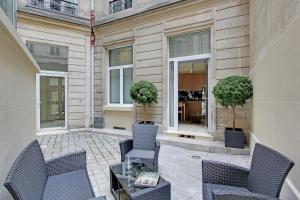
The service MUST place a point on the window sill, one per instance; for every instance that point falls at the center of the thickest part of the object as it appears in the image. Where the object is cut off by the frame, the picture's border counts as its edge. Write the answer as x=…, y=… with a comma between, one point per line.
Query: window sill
x=118, y=107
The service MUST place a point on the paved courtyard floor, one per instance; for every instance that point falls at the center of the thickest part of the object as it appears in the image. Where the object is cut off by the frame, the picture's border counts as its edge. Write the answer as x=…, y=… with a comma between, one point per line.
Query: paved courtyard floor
x=176, y=165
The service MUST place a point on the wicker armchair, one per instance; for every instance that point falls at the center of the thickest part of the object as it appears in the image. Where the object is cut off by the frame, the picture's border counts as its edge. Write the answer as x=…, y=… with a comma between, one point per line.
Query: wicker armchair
x=160, y=192
x=62, y=178
x=263, y=181
x=143, y=146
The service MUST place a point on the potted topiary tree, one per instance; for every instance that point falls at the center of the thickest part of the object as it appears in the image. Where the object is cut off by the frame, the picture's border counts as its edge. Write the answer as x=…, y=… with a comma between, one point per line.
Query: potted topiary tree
x=144, y=93
x=231, y=92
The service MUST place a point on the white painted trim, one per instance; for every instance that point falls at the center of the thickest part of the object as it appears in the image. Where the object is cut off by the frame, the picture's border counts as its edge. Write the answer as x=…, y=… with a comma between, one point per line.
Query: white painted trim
x=209, y=96
x=188, y=58
x=54, y=74
x=121, y=69
x=176, y=95
x=38, y=102
x=290, y=184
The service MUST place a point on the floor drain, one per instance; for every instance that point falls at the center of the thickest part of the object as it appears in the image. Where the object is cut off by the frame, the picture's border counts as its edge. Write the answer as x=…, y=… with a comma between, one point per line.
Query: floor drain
x=196, y=157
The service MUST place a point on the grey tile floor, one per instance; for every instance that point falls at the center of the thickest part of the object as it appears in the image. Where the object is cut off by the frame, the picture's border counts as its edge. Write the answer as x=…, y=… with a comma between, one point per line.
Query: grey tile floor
x=177, y=165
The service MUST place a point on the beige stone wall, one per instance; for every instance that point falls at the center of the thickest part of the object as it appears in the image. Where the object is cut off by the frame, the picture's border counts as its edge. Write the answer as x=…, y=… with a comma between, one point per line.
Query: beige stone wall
x=275, y=50
x=149, y=33
x=78, y=42
x=17, y=101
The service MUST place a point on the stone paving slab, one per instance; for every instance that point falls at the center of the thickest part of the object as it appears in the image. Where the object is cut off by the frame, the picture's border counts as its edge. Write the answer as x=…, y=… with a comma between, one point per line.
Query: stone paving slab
x=175, y=164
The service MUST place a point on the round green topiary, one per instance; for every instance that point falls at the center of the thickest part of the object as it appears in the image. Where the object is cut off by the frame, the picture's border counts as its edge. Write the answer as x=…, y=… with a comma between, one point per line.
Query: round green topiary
x=233, y=91
x=145, y=93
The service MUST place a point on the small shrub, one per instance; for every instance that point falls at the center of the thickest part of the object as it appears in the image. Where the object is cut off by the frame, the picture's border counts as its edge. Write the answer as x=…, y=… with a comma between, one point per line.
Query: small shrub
x=144, y=93
x=233, y=91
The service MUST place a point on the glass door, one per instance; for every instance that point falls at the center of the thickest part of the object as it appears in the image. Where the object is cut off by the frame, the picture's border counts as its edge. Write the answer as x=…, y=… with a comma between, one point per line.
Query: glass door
x=52, y=102
x=188, y=94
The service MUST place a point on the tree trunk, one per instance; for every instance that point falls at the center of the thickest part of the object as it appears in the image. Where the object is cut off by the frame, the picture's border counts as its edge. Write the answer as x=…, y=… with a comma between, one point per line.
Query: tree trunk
x=145, y=110
x=233, y=118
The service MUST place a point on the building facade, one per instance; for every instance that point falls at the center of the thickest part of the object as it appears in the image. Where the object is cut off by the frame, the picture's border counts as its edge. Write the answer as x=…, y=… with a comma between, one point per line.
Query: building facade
x=160, y=38
x=135, y=40
x=182, y=46
x=58, y=36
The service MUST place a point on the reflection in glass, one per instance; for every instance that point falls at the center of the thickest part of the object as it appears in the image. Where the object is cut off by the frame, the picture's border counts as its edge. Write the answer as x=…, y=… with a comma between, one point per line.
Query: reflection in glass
x=52, y=98
x=8, y=7
x=49, y=57
x=127, y=83
x=114, y=86
x=171, y=93
x=190, y=44
x=120, y=56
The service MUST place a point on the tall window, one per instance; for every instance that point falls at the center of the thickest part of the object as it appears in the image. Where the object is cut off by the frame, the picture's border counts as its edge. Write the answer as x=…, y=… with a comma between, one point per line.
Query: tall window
x=120, y=75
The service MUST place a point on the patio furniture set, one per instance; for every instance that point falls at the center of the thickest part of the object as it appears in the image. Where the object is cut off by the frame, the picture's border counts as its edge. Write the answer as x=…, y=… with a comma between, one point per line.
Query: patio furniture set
x=66, y=177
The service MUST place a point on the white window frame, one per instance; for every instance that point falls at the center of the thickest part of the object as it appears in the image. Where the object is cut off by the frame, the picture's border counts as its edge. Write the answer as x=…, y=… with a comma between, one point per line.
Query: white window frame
x=121, y=69
x=38, y=100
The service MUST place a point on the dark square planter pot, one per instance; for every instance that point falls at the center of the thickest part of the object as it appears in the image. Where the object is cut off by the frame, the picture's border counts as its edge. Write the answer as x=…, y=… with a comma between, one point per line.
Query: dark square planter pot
x=234, y=138
x=147, y=123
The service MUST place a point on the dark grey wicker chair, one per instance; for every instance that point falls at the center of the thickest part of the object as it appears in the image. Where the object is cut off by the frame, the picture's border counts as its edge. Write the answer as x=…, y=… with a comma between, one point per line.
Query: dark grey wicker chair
x=143, y=146
x=63, y=178
x=161, y=192
x=263, y=181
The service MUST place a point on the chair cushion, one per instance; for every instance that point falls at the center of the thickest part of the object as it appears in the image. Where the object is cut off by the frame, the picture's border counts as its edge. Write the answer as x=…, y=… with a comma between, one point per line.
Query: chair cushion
x=144, y=136
x=73, y=185
x=143, y=154
x=208, y=188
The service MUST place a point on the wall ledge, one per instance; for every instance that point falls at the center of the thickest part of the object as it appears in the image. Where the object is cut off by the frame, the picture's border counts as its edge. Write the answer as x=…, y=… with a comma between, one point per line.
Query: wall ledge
x=118, y=107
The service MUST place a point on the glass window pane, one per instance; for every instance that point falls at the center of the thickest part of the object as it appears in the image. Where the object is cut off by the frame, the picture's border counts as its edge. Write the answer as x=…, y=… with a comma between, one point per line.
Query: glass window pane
x=114, y=89
x=127, y=83
x=190, y=44
x=52, y=98
x=171, y=93
x=8, y=7
x=120, y=56
x=49, y=57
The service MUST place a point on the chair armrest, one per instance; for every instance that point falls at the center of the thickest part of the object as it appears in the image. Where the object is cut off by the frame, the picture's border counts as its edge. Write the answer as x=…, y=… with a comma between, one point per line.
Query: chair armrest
x=125, y=147
x=157, y=146
x=98, y=198
x=232, y=195
x=156, y=149
x=225, y=174
x=160, y=192
x=67, y=163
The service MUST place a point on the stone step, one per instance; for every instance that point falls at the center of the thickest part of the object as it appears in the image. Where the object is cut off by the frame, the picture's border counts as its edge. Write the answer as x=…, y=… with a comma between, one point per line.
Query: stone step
x=190, y=135
x=201, y=145
x=186, y=143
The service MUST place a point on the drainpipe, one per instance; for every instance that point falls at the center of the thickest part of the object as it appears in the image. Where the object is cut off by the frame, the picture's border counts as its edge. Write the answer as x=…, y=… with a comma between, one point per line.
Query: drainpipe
x=93, y=16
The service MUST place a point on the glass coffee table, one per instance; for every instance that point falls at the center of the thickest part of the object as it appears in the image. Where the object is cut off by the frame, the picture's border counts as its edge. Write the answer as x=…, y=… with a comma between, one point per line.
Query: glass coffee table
x=122, y=187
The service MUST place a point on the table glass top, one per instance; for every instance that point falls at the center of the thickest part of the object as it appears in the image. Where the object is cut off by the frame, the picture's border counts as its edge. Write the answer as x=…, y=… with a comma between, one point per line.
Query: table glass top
x=123, y=175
